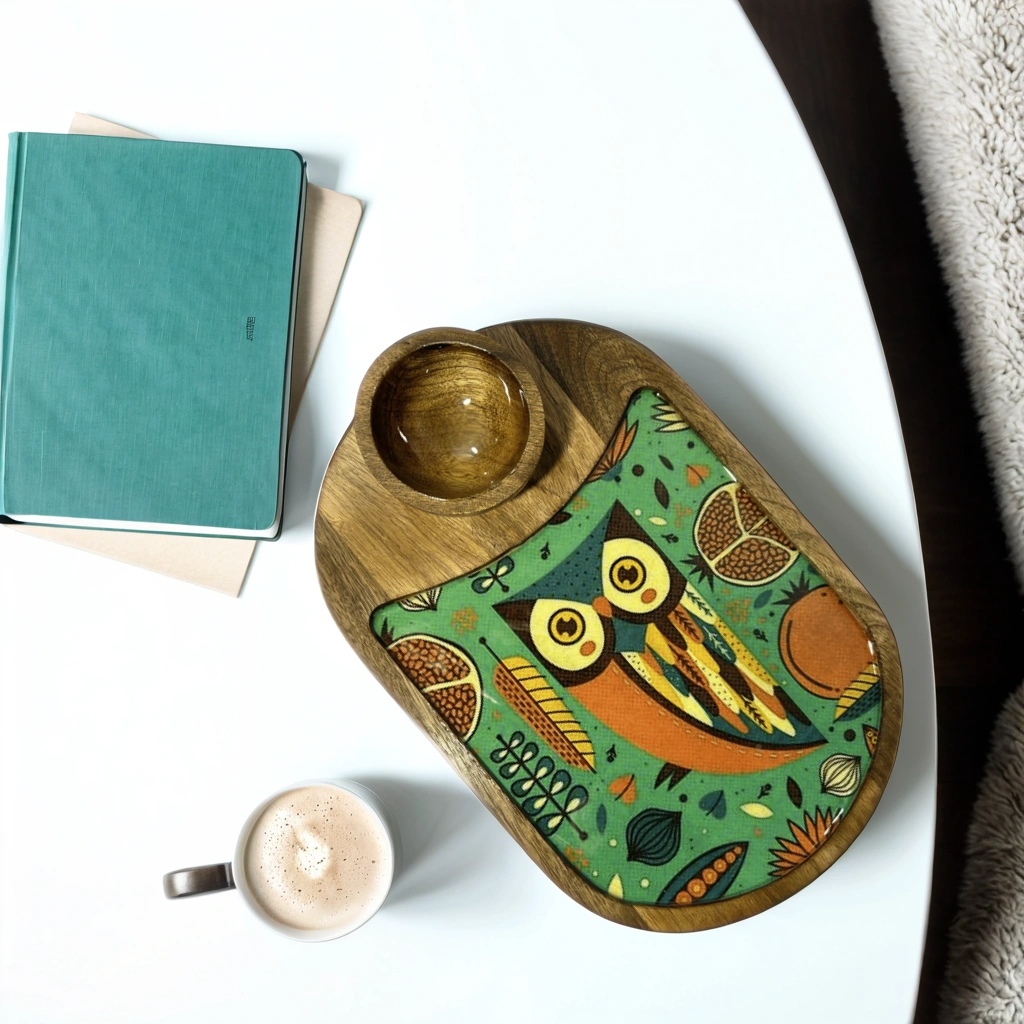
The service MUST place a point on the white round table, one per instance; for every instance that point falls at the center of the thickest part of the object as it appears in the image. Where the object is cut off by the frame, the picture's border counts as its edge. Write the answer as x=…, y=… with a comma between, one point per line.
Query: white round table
x=639, y=166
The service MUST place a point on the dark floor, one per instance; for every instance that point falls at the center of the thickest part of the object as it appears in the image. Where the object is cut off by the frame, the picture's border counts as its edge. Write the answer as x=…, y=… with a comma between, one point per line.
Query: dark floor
x=828, y=55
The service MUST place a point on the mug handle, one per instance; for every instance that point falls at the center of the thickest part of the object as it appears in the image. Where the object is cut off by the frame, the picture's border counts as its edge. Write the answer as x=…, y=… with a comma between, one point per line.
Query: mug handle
x=194, y=881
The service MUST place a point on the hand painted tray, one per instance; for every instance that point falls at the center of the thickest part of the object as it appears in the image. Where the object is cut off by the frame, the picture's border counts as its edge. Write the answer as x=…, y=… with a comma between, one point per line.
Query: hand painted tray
x=646, y=663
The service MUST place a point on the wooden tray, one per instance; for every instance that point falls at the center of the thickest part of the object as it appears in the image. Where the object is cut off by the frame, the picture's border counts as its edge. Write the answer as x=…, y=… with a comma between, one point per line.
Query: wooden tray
x=648, y=665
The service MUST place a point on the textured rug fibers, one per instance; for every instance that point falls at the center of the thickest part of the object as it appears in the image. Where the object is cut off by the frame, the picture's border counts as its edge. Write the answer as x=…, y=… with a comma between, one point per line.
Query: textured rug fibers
x=956, y=67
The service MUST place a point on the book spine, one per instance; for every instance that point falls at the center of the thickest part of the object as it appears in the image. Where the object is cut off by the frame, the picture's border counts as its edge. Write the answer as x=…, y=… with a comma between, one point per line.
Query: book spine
x=12, y=235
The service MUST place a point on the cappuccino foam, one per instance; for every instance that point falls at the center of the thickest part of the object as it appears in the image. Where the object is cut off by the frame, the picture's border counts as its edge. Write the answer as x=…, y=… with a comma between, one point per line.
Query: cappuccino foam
x=317, y=858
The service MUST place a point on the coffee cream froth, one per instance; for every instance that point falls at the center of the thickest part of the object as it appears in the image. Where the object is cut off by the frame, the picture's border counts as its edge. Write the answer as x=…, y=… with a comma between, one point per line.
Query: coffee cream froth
x=318, y=859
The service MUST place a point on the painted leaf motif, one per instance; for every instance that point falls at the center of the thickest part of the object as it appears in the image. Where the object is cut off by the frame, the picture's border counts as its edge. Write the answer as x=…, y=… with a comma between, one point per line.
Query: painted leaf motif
x=518, y=758
x=577, y=798
x=861, y=696
x=714, y=803
x=763, y=599
x=550, y=823
x=559, y=781
x=560, y=517
x=715, y=640
x=524, y=787
x=623, y=788
x=615, y=452
x=602, y=819
x=661, y=493
x=530, y=695
x=706, y=877
x=794, y=792
x=508, y=747
x=668, y=465
x=653, y=836
x=695, y=474
x=756, y=810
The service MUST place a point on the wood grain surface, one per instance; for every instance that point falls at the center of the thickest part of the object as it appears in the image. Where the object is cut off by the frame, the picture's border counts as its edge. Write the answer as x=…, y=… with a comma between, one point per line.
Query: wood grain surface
x=372, y=547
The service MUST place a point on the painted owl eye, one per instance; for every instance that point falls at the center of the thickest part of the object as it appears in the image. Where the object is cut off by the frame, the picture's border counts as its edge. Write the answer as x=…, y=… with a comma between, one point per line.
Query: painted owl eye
x=636, y=578
x=566, y=626
x=627, y=574
x=568, y=634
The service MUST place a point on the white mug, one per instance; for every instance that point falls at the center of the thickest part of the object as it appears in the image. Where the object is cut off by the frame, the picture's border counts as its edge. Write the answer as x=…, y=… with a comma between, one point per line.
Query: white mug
x=232, y=875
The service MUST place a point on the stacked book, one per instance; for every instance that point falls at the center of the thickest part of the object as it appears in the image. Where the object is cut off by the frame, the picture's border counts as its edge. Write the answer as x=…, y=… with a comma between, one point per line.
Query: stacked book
x=149, y=298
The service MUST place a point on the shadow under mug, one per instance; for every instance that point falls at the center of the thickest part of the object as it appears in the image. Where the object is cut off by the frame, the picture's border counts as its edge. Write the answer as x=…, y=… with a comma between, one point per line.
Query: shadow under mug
x=232, y=874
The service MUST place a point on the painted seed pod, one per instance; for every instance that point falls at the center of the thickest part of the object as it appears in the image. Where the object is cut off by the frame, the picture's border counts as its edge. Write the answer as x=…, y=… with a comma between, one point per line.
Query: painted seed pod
x=840, y=774
x=707, y=877
x=652, y=837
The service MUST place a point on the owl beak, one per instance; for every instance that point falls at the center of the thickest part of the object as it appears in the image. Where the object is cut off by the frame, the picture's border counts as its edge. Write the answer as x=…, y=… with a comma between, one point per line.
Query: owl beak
x=602, y=606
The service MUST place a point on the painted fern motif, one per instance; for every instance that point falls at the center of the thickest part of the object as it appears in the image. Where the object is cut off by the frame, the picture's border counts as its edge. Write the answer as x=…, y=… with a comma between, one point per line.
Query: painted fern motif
x=545, y=793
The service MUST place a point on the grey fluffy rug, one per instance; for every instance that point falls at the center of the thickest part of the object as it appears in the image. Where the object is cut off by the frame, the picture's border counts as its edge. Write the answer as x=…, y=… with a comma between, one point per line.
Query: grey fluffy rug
x=957, y=68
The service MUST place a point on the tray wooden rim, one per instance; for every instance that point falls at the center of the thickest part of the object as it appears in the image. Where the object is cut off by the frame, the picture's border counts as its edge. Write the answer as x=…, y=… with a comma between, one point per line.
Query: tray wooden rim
x=623, y=366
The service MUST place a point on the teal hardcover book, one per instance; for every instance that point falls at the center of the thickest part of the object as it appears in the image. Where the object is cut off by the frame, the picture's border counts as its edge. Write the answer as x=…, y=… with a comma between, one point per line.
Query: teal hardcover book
x=148, y=311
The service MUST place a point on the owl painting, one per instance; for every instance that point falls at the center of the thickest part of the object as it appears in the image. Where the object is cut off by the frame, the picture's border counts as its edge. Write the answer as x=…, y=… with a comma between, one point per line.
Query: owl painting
x=630, y=639
x=654, y=675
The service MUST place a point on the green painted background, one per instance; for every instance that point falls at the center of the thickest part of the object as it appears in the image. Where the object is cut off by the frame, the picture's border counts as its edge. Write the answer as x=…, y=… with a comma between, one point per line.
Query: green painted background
x=463, y=617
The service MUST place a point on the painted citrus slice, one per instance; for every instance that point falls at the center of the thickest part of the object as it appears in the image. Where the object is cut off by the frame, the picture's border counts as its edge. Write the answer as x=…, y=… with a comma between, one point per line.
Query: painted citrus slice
x=445, y=675
x=736, y=540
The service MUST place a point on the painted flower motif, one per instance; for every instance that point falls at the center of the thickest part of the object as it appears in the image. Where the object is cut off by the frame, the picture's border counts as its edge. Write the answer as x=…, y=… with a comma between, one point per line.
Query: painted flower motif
x=577, y=855
x=738, y=609
x=464, y=620
x=805, y=841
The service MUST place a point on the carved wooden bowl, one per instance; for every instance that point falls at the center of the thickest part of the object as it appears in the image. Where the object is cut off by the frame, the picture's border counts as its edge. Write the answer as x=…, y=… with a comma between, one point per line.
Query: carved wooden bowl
x=450, y=422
